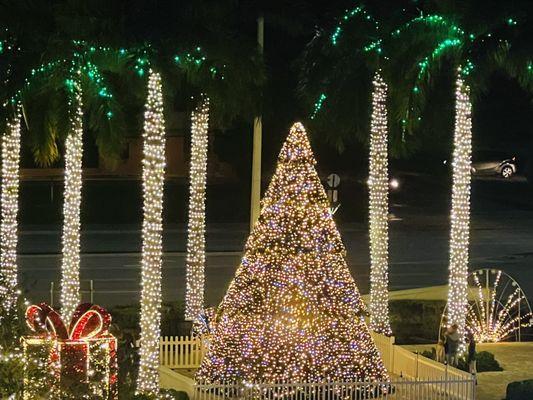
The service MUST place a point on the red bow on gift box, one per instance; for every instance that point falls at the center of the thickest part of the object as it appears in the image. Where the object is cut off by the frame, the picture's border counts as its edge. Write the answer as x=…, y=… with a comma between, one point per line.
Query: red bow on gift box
x=88, y=321
x=71, y=358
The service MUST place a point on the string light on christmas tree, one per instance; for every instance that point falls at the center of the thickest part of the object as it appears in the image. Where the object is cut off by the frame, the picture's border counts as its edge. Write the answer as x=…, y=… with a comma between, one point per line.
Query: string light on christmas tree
x=8, y=229
x=196, y=236
x=70, y=267
x=153, y=176
x=460, y=214
x=378, y=185
x=293, y=312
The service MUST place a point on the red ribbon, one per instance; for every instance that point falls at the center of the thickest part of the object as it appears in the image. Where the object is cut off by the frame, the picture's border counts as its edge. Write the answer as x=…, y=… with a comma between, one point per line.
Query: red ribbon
x=88, y=321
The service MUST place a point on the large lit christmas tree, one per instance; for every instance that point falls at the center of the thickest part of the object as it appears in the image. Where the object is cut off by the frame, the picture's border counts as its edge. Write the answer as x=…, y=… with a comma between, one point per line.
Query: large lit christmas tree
x=293, y=312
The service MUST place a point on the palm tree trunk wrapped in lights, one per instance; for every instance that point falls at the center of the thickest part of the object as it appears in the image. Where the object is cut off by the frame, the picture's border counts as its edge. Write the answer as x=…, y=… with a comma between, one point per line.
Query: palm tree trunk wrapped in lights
x=378, y=210
x=153, y=176
x=70, y=267
x=460, y=214
x=8, y=230
x=196, y=235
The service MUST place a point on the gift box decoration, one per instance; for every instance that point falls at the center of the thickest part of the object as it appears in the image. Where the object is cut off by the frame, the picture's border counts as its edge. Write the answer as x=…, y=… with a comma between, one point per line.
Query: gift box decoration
x=70, y=362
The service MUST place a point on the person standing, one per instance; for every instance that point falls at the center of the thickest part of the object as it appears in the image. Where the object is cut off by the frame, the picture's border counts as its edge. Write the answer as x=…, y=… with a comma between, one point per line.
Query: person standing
x=452, y=345
x=472, y=362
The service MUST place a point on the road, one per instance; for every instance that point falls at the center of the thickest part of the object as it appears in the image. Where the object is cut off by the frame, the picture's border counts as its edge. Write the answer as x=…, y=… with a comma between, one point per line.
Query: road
x=501, y=237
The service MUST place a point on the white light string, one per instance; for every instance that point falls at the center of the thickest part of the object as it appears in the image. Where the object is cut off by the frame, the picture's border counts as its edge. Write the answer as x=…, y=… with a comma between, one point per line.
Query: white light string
x=194, y=301
x=70, y=267
x=378, y=185
x=460, y=213
x=153, y=176
x=9, y=229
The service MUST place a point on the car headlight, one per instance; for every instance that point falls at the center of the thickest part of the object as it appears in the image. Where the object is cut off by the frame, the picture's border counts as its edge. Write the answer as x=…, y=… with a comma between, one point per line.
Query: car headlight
x=394, y=183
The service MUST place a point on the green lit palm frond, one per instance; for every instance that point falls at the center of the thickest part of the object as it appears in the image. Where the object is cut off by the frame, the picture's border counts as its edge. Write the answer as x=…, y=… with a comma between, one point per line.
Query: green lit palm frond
x=45, y=107
x=232, y=80
x=418, y=50
x=337, y=67
x=113, y=44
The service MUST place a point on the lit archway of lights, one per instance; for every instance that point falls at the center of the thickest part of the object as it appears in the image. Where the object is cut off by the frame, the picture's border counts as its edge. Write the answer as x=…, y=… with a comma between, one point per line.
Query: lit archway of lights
x=498, y=309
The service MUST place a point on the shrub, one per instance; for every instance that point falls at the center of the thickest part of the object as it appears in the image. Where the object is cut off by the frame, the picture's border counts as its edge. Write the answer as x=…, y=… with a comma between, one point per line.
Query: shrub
x=520, y=390
x=172, y=319
x=164, y=394
x=12, y=326
x=485, y=362
x=416, y=321
x=431, y=354
x=11, y=376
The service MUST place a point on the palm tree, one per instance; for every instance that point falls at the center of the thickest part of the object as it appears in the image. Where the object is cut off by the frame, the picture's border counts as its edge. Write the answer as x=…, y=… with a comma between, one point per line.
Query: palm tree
x=472, y=53
x=356, y=42
x=59, y=84
x=228, y=75
x=83, y=73
x=419, y=51
x=425, y=49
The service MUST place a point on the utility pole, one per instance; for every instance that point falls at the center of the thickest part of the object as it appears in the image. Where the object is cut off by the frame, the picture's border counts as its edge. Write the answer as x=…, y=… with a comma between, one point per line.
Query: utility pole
x=258, y=137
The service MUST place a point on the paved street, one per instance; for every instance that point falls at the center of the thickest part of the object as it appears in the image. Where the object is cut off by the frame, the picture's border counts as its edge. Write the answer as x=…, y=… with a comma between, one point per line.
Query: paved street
x=502, y=237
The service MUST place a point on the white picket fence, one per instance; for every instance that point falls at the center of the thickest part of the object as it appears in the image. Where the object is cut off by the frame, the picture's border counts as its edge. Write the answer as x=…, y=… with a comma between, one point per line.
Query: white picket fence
x=400, y=389
x=177, y=352
x=186, y=352
x=413, y=377
x=404, y=363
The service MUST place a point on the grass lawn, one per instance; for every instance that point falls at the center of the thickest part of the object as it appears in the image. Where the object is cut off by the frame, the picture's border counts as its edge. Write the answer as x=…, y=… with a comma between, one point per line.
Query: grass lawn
x=516, y=360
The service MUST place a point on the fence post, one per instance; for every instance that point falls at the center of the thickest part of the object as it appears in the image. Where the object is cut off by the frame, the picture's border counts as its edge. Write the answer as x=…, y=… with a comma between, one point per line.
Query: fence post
x=52, y=294
x=416, y=371
x=391, y=355
x=446, y=377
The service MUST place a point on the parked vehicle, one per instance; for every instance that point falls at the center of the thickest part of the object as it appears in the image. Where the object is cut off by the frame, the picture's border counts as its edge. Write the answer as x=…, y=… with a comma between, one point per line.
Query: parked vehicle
x=494, y=163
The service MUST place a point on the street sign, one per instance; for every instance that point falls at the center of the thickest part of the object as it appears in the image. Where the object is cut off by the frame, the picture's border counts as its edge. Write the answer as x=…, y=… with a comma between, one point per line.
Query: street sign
x=333, y=195
x=333, y=180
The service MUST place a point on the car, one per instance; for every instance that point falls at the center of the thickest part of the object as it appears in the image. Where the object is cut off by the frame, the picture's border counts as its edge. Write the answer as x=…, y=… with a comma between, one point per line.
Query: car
x=494, y=163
